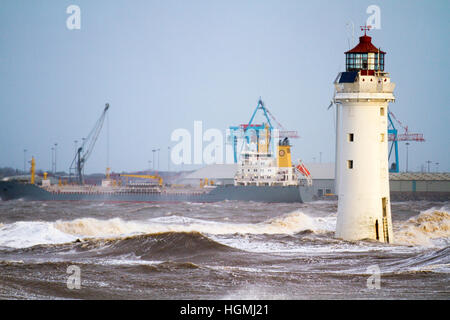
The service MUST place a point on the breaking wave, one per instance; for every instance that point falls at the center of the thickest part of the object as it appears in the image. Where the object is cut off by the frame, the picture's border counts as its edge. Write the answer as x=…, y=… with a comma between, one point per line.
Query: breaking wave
x=90, y=227
x=158, y=246
x=26, y=234
x=429, y=228
x=288, y=224
x=130, y=250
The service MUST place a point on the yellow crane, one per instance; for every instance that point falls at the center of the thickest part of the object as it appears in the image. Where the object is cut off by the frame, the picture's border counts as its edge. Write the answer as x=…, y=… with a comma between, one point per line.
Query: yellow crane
x=143, y=176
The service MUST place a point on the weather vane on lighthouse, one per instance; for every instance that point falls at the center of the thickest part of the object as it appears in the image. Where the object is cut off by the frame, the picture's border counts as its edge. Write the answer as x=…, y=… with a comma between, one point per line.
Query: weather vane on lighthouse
x=365, y=28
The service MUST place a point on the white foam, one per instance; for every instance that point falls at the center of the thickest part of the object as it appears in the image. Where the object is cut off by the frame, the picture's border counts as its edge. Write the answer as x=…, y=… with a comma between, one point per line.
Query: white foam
x=287, y=224
x=91, y=227
x=430, y=228
x=27, y=234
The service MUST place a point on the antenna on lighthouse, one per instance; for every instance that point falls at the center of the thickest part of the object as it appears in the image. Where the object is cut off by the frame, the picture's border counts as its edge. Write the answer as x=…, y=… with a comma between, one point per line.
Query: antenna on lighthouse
x=352, y=25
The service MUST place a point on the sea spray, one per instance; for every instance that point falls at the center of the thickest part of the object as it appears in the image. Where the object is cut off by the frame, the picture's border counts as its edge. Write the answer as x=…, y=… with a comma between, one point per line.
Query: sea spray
x=429, y=228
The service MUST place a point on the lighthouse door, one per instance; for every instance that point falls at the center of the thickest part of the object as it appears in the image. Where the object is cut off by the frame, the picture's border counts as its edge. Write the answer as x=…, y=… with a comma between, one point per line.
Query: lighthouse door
x=385, y=223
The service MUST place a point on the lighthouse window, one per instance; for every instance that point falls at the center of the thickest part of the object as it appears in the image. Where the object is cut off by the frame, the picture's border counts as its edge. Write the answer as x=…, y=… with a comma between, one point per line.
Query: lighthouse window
x=356, y=61
x=382, y=137
x=351, y=137
x=379, y=65
x=364, y=61
x=381, y=111
x=350, y=164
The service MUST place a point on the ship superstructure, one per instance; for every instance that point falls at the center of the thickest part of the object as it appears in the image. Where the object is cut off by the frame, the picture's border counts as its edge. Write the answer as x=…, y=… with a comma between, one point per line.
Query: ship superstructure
x=263, y=169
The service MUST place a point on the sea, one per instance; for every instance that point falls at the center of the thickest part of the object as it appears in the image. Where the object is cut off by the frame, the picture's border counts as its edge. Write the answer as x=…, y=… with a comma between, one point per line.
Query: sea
x=226, y=250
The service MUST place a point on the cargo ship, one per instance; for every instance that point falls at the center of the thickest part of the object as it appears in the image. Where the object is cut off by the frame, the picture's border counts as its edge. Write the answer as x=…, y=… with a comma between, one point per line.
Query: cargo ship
x=260, y=177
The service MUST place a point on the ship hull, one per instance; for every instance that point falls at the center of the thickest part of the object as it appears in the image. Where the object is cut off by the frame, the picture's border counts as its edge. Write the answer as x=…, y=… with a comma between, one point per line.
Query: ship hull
x=10, y=190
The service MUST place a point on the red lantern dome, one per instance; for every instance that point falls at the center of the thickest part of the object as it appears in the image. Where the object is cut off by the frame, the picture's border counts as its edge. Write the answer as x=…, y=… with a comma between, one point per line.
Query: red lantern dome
x=365, y=57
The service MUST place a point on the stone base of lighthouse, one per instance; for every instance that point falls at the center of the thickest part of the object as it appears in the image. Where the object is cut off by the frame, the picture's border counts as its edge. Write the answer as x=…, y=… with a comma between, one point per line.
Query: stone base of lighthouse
x=362, y=218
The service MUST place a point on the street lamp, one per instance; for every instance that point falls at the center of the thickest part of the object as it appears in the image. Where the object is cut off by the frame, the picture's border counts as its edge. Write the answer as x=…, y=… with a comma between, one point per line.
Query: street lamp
x=53, y=160
x=428, y=162
x=168, y=158
x=154, y=150
x=158, y=157
x=55, y=156
x=24, y=160
x=407, y=149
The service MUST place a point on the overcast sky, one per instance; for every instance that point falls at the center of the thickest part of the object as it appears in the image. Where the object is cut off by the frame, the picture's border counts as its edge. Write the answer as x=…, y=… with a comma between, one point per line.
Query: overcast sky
x=164, y=64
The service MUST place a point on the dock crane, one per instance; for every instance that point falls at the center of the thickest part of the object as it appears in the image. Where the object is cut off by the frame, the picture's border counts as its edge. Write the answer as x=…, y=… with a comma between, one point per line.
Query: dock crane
x=84, y=151
x=244, y=130
x=394, y=137
x=144, y=176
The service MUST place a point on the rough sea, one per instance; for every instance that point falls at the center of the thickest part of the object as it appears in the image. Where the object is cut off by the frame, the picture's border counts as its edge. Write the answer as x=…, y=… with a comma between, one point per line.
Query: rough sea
x=225, y=250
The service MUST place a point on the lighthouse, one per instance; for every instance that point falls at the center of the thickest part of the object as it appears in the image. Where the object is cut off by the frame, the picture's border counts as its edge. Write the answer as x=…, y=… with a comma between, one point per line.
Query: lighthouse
x=362, y=95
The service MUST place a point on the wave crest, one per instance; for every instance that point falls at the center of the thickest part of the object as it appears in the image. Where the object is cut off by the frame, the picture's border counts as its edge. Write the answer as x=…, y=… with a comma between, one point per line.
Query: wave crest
x=91, y=227
x=429, y=228
x=288, y=224
x=159, y=246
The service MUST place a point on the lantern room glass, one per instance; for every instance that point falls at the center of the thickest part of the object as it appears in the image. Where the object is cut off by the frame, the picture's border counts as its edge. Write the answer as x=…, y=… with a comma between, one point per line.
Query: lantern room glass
x=364, y=61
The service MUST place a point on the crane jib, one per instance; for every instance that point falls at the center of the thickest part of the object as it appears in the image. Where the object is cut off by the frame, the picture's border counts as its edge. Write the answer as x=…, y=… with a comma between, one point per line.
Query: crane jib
x=87, y=147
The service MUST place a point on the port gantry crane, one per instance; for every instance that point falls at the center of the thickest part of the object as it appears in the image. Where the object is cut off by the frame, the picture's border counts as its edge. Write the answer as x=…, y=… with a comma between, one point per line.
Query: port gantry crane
x=82, y=153
x=243, y=130
x=394, y=137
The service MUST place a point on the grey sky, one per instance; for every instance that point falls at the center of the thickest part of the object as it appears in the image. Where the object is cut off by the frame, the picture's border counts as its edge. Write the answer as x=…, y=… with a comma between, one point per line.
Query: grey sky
x=163, y=64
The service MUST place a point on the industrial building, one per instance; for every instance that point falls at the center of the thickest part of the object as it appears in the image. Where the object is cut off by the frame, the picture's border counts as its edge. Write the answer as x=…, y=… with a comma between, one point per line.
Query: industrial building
x=417, y=186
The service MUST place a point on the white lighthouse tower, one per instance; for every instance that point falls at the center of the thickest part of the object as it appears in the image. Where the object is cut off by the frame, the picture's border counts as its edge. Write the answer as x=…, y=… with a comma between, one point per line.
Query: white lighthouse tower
x=362, y=95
